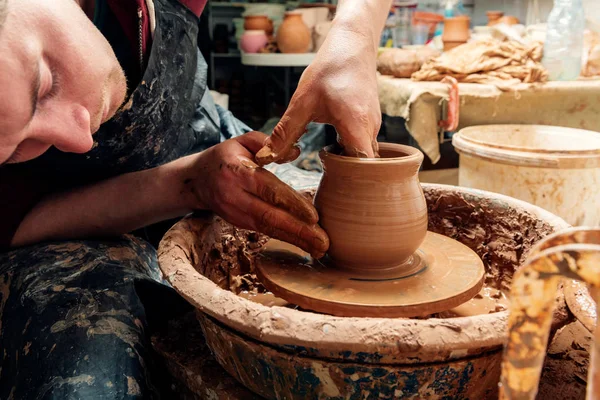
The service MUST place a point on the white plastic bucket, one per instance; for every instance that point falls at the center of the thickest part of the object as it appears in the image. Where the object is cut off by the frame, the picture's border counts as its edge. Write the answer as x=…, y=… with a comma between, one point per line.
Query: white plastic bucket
x=555, y=168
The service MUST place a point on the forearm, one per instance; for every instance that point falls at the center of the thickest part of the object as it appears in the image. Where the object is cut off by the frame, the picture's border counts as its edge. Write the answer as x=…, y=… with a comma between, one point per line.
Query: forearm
x=366, y=17
x=111, y=207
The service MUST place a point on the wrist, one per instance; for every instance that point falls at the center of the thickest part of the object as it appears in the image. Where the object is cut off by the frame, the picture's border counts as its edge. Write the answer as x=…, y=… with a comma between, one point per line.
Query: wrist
x=366, y=18
x=362, y=36
x=177, y=179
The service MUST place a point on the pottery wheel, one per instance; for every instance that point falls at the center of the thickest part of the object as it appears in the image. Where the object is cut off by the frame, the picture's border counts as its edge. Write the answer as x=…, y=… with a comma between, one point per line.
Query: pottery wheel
x=444, y=273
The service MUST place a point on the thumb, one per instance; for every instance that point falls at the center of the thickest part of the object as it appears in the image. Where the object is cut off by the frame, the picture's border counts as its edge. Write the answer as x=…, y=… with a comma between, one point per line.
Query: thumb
x=281, y=146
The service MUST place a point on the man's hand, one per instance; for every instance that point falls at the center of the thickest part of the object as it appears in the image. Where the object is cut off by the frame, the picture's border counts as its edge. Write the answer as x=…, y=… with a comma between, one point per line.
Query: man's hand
x=226, y=180
x=338, y=88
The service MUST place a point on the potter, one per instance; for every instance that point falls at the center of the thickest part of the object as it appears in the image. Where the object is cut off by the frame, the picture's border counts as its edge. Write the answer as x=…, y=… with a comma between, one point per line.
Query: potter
x=107, y=128
x=373, y=210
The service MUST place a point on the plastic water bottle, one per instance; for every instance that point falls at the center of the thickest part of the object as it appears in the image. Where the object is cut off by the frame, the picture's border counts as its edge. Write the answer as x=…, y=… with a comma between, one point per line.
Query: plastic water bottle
x=564, y=40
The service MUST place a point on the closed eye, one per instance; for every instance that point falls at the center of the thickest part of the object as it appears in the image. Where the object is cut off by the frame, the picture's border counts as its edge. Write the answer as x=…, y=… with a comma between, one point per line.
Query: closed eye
x=53, y=88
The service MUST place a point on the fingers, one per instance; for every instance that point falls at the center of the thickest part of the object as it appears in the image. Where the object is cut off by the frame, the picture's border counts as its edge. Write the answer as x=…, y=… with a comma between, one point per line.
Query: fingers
x=281, y=145
x=266, y=186
x=278, y=224
x=252, y=141
x=357, y=141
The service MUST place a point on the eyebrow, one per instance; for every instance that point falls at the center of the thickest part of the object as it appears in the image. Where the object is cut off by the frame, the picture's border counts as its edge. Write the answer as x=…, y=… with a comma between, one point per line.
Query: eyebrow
x=35, y=90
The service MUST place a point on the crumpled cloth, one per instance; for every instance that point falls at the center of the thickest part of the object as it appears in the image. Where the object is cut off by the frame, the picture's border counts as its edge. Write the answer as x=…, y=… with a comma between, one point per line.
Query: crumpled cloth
x=490, y=61
x=402, y=63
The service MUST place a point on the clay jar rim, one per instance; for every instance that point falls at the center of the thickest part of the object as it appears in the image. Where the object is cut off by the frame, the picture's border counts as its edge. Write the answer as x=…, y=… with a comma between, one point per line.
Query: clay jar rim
x=410, y=155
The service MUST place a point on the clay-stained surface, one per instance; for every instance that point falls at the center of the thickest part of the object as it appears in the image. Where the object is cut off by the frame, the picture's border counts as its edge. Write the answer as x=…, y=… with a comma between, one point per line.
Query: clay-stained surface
x=502, y=236
x=500, y=229
x=564, y=376
x=572, y=253
x=199, y=376
x=277, y=375
x=581, y=304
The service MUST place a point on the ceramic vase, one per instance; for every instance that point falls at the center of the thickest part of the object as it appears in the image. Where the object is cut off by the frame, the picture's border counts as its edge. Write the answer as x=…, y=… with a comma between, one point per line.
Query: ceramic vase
x=373, y=209
x=456, y=31
x=427, y=18
x=508, y=20
x=253, y=41
x=493, y=17
x=293, y=35
x=258, y=23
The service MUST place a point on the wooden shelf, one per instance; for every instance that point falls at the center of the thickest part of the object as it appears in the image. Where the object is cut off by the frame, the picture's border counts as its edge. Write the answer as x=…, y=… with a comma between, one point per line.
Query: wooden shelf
x=226, y=55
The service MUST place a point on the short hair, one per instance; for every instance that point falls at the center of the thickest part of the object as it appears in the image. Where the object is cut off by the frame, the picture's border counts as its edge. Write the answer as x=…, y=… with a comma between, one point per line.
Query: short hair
x=3, y=12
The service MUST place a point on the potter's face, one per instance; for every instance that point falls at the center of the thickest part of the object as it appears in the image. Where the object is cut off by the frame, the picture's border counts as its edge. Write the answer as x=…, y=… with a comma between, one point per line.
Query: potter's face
x=59, y=79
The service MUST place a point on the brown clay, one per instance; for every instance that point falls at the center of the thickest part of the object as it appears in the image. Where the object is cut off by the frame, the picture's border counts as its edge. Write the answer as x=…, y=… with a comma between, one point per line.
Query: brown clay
x=373, y=210
x=494, y=16
x=258, y=23
x=508, y=20
x=456, y=29
x=427, y=18
x=293, y=36
x=451, y=45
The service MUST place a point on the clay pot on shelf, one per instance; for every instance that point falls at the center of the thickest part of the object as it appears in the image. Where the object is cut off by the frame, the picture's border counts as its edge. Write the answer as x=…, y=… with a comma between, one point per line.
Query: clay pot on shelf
x=493, y=16
x=258, y=23
x=252, y=41
x=293, y=35
x=456, y=31
x=312, y=17
x=508, y=20
x=373, y=209
x=427, y=18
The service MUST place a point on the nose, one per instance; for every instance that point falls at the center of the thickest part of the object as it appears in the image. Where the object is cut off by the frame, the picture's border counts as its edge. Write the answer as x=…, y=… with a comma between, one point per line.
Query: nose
x=68, y=128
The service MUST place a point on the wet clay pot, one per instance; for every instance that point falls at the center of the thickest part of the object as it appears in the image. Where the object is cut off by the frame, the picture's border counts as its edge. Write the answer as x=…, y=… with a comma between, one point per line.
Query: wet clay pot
x=286, y=353
x=493, y=17
x=293, y=36
x=373, y=209
x=258, y=23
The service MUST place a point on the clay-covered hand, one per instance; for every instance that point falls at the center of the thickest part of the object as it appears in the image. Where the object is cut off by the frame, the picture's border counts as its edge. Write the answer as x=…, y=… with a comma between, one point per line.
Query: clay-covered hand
x=226, y=180
x=338, y=88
